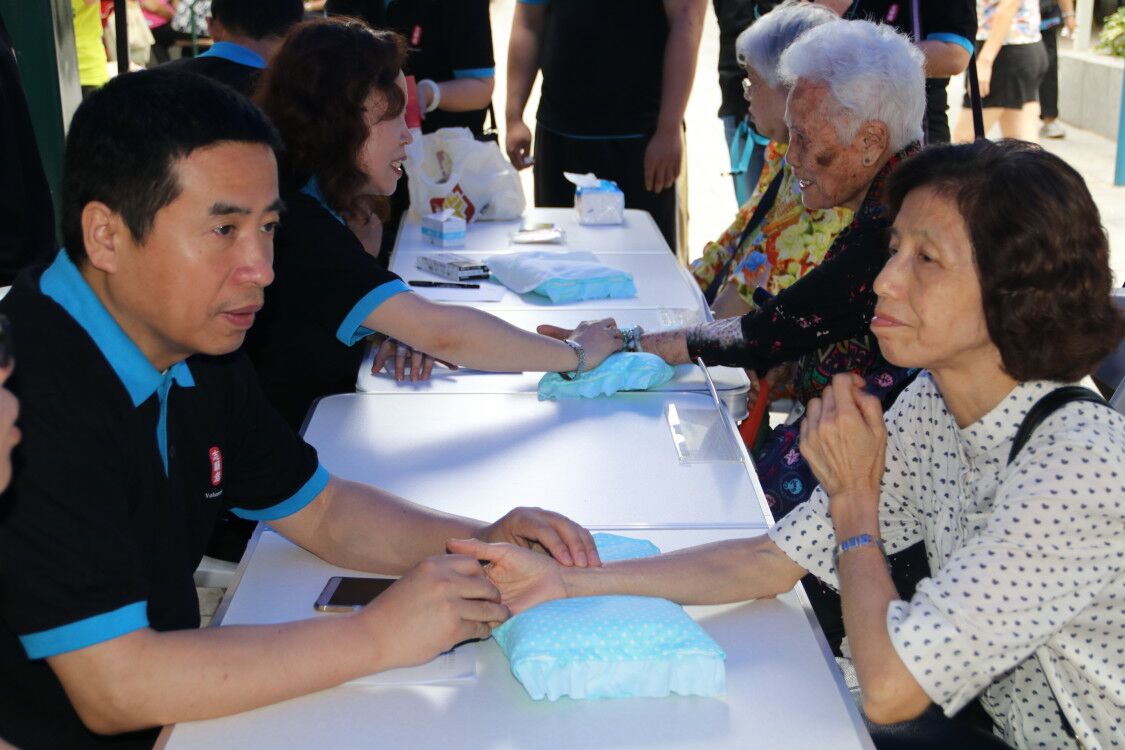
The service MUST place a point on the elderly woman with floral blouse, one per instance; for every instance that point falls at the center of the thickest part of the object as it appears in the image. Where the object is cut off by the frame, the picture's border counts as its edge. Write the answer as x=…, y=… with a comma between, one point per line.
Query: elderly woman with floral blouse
x=1001, y=292
x=793, y=239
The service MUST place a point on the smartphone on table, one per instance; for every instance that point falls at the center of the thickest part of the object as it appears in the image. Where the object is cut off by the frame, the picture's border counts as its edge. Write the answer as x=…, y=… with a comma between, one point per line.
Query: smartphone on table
x=347, y=594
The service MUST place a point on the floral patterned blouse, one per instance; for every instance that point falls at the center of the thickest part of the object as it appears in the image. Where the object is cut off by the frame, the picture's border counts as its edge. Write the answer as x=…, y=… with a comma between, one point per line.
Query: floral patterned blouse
x=793, y=238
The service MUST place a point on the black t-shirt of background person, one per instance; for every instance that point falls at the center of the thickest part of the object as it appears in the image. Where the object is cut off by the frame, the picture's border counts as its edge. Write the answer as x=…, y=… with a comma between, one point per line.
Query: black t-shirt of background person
x=734, y=16
x=603, y=67
x=941, y=20
x=447, y=39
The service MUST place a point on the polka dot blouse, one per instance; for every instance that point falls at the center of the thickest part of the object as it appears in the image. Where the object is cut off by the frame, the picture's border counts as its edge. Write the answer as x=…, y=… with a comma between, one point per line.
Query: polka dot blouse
x=1027, y=600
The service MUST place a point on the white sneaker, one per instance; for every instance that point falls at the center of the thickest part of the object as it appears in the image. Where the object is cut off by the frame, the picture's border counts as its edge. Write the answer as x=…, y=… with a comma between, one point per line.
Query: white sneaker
x=1052, y=129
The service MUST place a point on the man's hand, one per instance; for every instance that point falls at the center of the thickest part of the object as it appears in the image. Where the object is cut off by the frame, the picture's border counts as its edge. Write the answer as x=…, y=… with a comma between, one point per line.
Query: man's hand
x=845, y=442
x=394, y=355
x=517, y=142
x=663, y=158
x=599, y=338
x=535, y=528
x=523, y=577
x=439, y=603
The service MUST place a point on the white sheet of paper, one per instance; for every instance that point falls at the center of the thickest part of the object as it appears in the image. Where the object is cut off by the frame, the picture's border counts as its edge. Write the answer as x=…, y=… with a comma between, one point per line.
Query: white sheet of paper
x=458, y=665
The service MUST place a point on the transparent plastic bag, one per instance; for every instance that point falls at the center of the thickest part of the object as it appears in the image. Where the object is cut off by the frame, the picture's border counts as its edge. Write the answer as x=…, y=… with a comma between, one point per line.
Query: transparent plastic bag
x=450, y=169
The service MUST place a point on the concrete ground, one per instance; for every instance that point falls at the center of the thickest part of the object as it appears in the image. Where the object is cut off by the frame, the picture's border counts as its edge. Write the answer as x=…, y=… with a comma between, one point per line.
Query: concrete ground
x=711, y=203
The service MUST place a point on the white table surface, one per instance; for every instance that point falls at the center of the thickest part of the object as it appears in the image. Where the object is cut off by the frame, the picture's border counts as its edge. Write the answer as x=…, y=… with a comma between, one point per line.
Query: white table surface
x=602, y=462
x=783, y=689
x=731, y=384
x=638, y=234
x=660, y=280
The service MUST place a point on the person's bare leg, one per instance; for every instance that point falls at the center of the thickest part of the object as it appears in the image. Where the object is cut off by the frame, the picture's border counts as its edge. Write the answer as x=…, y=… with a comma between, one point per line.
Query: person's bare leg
x=963, y=133
x=1021, y=123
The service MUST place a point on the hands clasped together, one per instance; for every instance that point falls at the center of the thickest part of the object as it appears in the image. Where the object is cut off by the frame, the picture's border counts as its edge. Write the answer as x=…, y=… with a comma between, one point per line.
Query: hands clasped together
x=448, y=599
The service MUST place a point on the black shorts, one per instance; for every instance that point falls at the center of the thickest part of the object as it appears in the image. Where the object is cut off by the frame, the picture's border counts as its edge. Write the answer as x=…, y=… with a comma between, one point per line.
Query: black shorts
x=1015, y=76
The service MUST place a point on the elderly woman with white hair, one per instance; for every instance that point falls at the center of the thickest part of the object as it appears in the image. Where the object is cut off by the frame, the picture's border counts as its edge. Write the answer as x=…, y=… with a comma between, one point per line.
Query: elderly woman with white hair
x=791, y=239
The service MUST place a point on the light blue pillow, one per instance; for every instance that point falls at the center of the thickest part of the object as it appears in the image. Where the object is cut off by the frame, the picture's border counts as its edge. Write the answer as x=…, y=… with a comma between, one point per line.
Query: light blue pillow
x=623, y=371
x=612, y=646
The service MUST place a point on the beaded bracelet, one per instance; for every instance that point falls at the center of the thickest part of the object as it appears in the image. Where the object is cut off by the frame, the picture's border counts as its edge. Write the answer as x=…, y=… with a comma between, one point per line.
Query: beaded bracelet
x=631, y=339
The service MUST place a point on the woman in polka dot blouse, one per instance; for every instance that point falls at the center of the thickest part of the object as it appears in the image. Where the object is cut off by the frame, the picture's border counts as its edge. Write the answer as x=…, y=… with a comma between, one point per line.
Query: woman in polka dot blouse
x=1002, y=294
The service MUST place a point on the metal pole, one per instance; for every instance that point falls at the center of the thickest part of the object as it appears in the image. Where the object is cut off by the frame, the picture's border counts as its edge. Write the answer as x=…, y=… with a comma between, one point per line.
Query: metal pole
x=121, y=26
x=1084, y=25
x=1119, y=174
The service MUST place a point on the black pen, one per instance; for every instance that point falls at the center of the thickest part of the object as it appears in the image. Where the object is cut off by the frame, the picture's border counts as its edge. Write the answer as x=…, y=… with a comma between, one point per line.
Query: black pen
x=443, y=284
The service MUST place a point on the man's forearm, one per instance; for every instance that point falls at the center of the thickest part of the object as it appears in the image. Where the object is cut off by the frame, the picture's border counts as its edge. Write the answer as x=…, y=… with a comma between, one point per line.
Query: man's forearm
x=341, y=527
x=681, y=50
x=523, y=57
x=146, y=678
x=465, y=94
x=730, y=571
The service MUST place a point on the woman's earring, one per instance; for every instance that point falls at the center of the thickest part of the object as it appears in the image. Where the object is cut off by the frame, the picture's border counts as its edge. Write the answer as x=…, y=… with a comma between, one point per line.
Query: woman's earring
x=866, y=162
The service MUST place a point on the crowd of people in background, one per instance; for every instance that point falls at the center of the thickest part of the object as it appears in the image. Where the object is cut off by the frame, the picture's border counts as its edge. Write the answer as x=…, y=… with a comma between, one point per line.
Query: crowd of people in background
x=225, y=222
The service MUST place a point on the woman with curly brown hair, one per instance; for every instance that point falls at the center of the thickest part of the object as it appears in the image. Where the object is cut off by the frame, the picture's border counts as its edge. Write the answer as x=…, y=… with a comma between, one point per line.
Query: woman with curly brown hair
x=1002, y=296
x=336, y=92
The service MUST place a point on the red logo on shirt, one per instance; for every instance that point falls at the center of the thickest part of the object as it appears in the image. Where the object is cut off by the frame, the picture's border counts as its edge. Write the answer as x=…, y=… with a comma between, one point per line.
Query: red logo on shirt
x=892, y=14
x=216, y=457
x=416, y=36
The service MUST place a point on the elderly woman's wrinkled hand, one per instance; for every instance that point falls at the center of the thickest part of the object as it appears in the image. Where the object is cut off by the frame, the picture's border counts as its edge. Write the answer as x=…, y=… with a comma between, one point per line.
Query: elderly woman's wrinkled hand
x=599, y=338
x=844, y=439
x=523, y=577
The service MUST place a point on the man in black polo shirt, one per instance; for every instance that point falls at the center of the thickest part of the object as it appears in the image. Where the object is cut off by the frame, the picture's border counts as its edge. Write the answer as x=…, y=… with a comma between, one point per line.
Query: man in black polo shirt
x=246, y=34
x=140, y=426
x=616, y=80
x=944, y=30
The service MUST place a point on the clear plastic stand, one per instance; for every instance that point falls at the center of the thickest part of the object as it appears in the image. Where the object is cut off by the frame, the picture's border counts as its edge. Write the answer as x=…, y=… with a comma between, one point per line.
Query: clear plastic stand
x=701, y=436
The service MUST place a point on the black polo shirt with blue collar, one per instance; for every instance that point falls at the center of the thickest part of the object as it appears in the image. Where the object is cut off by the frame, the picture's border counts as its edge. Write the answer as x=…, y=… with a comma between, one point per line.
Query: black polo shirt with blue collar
x=119, y=478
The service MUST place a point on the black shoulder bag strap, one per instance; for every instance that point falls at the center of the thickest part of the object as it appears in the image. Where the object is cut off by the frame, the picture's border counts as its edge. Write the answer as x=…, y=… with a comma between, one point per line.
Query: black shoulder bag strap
x=1047, y=406
x=756, y=218
x=974, y=99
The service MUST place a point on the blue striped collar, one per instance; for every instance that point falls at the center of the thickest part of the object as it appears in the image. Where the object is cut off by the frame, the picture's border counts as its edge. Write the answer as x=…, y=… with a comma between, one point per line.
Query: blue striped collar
x=63, y=282
x=236, y=53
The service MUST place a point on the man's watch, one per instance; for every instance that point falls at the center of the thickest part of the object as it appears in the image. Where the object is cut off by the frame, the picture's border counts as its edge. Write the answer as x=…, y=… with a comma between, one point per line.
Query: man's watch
x=581, y=360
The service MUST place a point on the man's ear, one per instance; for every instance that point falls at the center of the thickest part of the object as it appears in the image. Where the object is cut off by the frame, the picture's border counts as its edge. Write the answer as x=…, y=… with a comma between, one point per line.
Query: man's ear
x=102, y=232
x=875, y=140
x=217, y=30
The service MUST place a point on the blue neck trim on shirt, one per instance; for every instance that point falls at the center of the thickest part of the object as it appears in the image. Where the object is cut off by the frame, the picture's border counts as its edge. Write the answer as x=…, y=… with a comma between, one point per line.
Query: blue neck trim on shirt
x=236, y=53
x=63, y=282
x=312, y=189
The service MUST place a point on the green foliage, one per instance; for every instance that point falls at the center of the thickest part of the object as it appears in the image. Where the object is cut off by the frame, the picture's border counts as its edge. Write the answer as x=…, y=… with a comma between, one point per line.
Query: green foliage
x=1112, y=39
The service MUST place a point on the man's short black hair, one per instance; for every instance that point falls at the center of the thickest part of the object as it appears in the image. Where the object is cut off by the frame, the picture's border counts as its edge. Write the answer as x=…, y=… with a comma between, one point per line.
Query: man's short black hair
x=258, y=19
x=126, y=137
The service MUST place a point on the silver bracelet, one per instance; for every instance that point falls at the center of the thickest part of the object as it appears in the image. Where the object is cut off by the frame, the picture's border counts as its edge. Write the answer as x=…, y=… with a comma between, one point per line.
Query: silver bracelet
x=631, y=339
x=581, y=360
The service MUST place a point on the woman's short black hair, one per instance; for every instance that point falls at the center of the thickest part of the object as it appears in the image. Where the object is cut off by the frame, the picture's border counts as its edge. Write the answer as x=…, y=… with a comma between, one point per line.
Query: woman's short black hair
x=126, y=137
x=315, y=90
x=1040, y=251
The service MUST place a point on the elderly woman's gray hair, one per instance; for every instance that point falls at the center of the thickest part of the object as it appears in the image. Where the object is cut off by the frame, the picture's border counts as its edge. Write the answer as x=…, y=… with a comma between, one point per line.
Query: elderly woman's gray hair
x=761, y=44
x=873, y=72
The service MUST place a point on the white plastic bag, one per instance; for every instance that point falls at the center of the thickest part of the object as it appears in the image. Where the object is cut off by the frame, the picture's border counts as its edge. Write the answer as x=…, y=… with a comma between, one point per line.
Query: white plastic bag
x=451, y=169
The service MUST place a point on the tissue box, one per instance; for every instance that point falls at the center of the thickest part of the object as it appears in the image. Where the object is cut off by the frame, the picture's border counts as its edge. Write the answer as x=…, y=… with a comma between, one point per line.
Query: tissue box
x=603, y=203
x=444, y=230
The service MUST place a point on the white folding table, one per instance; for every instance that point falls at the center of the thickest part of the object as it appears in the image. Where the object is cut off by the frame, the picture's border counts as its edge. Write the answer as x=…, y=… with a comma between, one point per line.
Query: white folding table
x=639, y=234
x=657, y=459
x=783, y=690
